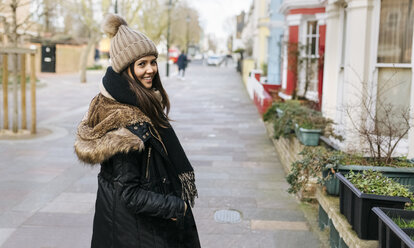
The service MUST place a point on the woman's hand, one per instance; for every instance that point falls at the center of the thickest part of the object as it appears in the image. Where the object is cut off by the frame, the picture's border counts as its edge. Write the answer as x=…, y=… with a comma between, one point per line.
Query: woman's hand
x=185, y=210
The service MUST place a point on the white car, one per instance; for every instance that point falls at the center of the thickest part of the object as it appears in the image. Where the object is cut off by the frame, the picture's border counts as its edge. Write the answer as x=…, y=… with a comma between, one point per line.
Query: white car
x=214, y=60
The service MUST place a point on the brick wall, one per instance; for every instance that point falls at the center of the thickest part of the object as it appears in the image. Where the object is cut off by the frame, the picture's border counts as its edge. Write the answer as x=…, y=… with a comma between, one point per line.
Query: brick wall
x=288, y=150
x=67, y=58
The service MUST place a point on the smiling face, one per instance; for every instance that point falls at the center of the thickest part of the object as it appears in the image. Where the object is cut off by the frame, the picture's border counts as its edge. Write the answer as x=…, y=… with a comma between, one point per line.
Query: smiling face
x=145, y=69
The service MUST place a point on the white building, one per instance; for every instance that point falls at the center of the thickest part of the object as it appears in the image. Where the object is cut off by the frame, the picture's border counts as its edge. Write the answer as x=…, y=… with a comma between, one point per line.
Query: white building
x=368, y=56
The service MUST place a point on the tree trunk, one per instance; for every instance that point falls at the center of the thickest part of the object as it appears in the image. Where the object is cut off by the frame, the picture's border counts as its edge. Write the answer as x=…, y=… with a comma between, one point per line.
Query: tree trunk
x=84, y=58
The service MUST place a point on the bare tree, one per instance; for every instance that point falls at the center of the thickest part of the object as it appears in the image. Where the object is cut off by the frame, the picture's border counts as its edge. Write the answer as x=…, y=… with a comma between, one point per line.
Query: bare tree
x=381, y=123
x=212, y=44
x=90, y=14
x=14, y=27
x=140, y=15
x=185, y=32
x=230, y=25
x=148, y=17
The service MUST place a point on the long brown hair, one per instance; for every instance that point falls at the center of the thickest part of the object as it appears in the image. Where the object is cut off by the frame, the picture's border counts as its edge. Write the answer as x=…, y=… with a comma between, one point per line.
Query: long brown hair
x=148, y=102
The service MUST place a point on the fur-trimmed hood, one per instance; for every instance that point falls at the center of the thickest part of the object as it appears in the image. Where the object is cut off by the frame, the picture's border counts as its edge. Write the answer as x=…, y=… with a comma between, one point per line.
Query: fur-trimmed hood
x=102, y=133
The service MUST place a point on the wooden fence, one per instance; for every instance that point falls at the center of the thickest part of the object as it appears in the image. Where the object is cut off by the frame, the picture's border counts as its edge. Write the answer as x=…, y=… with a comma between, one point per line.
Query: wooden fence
x=22, y=53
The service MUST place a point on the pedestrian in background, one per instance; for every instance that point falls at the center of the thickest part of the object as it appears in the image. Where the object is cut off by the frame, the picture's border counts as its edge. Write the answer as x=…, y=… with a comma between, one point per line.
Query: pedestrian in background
x=146, y=185
x=182, y=62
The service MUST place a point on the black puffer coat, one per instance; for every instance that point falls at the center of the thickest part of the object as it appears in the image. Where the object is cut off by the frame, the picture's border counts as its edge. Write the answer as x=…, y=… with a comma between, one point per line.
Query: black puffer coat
x=135, y=201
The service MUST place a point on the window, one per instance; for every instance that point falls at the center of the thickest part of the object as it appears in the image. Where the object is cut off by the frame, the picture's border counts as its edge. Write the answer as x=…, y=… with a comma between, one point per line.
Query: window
x=394, y=47
x=308, y=66
x=393, y=98
x=312, y=37
x=395, y=31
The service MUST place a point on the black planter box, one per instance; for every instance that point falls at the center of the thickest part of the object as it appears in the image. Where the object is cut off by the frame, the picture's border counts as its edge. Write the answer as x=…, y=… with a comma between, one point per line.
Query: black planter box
x=402, y=175
x=389, y=233
x=357, y=207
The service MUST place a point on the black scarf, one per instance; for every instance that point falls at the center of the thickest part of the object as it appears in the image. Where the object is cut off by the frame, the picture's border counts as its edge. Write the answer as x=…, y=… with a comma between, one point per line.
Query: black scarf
x=182, y=171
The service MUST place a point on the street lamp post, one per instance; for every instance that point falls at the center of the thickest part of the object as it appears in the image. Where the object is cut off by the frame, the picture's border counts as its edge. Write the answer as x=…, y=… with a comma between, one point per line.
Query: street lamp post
x=188, y=33
x=116, y=7
x=168, y=39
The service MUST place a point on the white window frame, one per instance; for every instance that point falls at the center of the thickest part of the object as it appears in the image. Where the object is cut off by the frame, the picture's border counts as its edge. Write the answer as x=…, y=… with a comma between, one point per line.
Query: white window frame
x=308, y=38
x=303, y=39
x=406, y=145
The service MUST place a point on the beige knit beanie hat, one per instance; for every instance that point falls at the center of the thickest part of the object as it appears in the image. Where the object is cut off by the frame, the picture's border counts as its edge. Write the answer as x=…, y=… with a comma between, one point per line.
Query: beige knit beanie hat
x=127, y=45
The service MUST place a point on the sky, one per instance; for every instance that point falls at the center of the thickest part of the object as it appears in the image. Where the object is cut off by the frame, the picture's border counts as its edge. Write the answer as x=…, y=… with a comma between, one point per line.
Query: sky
x=214, y=13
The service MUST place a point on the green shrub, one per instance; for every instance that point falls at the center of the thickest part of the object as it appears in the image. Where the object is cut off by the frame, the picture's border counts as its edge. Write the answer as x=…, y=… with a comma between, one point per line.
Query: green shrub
x=373, y=182
x=270, y=114
x=95, y=67
x=315, y=159
x=312, y=120
x=402, y=223
x=284, y=126
x=295, y=113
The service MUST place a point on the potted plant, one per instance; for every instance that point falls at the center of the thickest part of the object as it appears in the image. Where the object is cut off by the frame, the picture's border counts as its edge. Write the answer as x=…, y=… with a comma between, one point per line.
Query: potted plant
x=279, y=112
x=403, y=173
x=360, y=192
x=322, y=163
x=310, y=126
x=293, y=117
x=275, y=111
x=312, y=164
x=284, y=125
x=380, y=124
x=395, y=227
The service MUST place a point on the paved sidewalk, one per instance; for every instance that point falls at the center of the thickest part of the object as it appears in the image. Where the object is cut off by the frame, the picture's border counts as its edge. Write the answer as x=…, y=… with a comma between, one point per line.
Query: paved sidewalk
x=47, y=196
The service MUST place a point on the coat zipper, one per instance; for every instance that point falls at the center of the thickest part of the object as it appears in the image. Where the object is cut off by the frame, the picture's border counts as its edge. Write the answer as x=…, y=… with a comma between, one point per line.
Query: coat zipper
x=159, y=141
x=148, y=161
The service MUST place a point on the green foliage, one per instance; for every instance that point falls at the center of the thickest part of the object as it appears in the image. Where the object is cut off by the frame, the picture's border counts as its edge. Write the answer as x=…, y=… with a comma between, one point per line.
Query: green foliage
x=270, y=113
x=312, y=120
x=295, y=113
x=402, y=223
x=239, y=50
x=284, y=126
x=373, y=182
x=95, y=67
x=264, y=69
x=315, y=159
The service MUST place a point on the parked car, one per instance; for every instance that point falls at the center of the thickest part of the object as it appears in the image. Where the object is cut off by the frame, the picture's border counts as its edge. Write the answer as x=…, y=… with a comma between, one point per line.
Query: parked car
x=214, y=60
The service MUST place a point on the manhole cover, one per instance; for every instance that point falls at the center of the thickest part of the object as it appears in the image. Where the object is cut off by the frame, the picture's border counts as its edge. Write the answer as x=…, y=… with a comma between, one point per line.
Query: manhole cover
x=227, y=216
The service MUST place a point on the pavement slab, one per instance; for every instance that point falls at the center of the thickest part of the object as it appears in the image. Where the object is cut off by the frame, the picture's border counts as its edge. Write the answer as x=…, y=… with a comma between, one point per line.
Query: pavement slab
x=48, y=195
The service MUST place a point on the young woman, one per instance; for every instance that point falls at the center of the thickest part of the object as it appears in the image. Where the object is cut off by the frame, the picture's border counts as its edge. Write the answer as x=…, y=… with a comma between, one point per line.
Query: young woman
x=146, y=184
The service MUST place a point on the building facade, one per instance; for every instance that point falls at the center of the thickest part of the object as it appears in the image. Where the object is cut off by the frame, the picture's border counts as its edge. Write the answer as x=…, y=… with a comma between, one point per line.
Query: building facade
x=275, y=42
x=303, y=49
x=261, y=32
x=369, y=57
